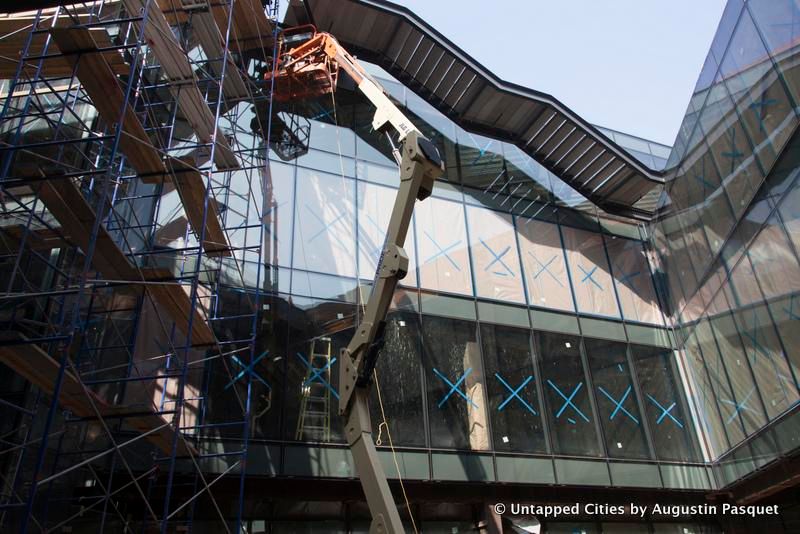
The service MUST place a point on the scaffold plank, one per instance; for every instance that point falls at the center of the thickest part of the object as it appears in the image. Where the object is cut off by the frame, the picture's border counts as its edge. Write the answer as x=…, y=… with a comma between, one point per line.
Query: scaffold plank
x=192, y=191
x=174, y=299
x=183, y=83
x=102, y=86
x=77, y=218
x=42, y=370
x=37, y=238
x=14, y=32
x=251, y=29
x=66, y=203
x=210, y=38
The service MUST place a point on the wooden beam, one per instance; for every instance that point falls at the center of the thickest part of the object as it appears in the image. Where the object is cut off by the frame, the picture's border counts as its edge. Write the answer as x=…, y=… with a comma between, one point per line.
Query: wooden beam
x=102, y=86
x=192, y=191
x=14, y=33
x=174, y=299
x=183, y=83
x=66, y=203
x=37, y=239
x=205, y=30
x=41, y=370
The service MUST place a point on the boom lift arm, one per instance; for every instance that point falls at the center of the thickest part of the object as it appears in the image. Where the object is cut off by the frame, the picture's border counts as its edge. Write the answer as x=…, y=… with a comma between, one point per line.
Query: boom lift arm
x=307, y=70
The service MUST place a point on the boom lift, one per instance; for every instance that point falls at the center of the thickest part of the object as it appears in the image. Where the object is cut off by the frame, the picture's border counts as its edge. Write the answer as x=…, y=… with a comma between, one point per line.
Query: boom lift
x=307, y=67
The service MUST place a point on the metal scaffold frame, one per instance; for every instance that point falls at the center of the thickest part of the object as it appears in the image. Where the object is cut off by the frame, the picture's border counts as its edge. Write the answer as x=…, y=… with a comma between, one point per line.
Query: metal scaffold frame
x=133, y=208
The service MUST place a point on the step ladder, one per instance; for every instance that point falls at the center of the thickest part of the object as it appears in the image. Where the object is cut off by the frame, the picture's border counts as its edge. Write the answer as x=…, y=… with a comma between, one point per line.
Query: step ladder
x=314, y=421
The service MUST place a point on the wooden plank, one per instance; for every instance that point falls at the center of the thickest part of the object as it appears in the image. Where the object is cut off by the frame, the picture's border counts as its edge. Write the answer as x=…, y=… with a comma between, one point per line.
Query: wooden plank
x=63, y=199
x=208, y=35
x=176, y=68
x=42, y=370
x=192, y=191
x=251, y=29
x=37, y=238
x=102, y=86
x=14, y=32
x=174, y=299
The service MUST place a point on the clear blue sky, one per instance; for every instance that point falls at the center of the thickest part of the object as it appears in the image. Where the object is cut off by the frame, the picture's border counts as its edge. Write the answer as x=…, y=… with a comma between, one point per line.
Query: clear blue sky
x=630, y=65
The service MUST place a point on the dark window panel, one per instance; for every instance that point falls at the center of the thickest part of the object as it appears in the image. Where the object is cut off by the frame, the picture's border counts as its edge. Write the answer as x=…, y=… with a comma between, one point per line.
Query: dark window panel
x=400, y=384
x=455, y=384
x=665, y=404
x=566, y=394
x=512, y=389
x=616, y=399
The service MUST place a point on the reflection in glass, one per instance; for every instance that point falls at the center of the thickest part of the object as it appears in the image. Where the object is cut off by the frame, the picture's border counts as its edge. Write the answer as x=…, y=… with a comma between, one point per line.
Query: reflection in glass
x=442, y=246
x=617, y=401
x=633, y=281
x=399, y=380
x=588, y=267
x=324, y=230
x=566, y=394
x=545, y=268
x=665, y=405
x=455, y=384
x=316, y=336
x=512, y=389
x=494, y=255
x=375, y=205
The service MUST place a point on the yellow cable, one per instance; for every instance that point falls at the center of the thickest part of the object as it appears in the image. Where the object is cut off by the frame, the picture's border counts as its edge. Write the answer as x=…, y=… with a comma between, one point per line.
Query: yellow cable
x=385, y=424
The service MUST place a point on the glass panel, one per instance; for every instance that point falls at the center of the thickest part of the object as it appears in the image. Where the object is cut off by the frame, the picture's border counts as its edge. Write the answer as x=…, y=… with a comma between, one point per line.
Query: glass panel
x=324, y=232
x=566, y=395
x=326, y=136
x=513, y=401
x=400, y=383
x=765, y=354
x=779, y=22
x=482, y=164
x=316, y=335
x=545, y=268
x=746, y=401
x=455, y=383
x=763, y=105
x=786, y=313
x=279, y=203
x=725, y=395
x=633, y=280
x=374, y=211
x=665, y=405
x=743, y=282
x=588, y=266
x=442, y=245
x=616, y=399
x=726, y=25
x=789, y=210
x=494, y=255
x=774, y=262
x=706, y=383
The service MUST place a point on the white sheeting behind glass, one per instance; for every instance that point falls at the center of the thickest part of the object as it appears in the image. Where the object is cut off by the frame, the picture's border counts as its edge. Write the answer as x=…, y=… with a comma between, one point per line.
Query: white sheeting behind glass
x=442, y=246
x=494, y=255
x=545, y=267
x=324, y=229
x=374, y=211
x=588, y=267
x=637, y=295
x=278, y=214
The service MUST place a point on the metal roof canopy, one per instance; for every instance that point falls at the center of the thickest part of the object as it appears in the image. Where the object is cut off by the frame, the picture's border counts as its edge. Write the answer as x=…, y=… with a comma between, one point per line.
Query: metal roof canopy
x=458, y=86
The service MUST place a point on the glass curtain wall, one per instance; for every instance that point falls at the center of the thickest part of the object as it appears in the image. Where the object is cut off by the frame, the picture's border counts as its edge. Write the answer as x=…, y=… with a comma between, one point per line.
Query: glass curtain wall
x=726, y=234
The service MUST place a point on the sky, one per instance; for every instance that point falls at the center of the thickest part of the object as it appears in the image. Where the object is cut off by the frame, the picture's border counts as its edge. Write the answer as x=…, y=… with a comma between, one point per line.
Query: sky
x=629, y=65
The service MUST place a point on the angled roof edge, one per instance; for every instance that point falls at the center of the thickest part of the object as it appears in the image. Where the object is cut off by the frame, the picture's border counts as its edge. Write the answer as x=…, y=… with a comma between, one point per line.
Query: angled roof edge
x=314, y=11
